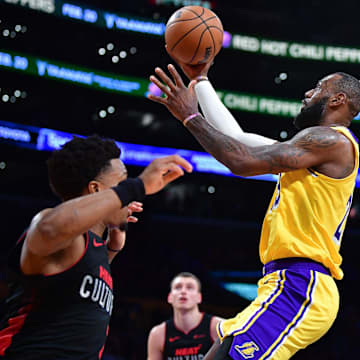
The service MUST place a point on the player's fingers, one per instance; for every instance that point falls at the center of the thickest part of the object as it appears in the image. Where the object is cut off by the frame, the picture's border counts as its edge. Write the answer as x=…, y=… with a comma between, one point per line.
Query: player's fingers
x=132, y=219
x=135, y=206
x=160, y=85
x=173, y=172
x=136, y=203
x=162, y=75
x=177, y=78
x=157, y=99
x=177, y=159
x=192, y=85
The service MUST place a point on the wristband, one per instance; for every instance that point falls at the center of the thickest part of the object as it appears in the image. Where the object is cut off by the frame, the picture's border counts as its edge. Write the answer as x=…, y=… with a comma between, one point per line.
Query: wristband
x=201, y=78
x=113, y=250
x=129, y=190
x=186, y=120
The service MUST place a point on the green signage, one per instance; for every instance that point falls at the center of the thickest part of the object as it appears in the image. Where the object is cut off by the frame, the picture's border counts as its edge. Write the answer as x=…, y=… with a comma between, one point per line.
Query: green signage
x=134, y=86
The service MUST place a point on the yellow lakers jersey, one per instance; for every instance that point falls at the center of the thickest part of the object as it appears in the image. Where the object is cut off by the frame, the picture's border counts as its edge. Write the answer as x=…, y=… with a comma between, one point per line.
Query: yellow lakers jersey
x=307, y=215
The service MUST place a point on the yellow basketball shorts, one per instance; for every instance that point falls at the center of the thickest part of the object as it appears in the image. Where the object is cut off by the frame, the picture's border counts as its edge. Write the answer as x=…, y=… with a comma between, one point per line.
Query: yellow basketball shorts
x=294, y=307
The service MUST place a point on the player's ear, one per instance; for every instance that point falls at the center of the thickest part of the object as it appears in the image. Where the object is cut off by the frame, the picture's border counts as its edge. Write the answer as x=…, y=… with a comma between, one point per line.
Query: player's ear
x=199, y=298
x=170, y=298
x=337, y=99
x=93, y=187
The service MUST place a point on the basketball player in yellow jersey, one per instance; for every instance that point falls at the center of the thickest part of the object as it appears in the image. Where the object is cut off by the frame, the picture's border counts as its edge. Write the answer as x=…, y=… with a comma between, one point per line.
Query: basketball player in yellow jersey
x=297, y=298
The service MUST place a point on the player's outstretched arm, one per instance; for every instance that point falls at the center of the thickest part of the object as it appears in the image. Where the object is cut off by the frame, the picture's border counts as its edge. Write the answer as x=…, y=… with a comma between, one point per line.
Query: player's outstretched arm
x=55, y=229
x=310, y=148
x=215, y=112
x=220, y=117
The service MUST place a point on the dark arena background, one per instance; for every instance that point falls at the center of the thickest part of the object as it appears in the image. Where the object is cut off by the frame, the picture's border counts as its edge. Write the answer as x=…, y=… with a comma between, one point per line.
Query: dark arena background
x=83, y=67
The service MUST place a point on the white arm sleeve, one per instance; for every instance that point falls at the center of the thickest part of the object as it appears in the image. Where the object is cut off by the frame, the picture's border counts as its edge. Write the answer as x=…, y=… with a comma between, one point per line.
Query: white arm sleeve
x=220, y=118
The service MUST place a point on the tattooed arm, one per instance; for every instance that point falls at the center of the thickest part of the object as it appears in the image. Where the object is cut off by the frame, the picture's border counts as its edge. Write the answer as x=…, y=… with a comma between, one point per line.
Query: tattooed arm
x=308, y=149
x=320, y=148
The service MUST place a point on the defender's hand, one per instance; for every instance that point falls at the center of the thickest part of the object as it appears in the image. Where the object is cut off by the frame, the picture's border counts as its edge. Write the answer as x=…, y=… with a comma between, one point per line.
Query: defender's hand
x=162, y=171
x=134, y=206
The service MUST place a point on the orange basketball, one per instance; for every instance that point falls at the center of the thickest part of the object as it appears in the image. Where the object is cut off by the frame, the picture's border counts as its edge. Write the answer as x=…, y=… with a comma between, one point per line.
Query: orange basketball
x=193, y=35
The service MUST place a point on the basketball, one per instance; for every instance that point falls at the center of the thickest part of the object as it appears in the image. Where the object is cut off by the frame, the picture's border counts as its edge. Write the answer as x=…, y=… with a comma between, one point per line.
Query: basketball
x=193, y=35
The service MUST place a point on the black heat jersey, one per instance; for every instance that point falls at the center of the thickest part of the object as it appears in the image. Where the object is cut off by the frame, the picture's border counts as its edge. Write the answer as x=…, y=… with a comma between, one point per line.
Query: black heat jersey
x=61, y=316
x=191, y=346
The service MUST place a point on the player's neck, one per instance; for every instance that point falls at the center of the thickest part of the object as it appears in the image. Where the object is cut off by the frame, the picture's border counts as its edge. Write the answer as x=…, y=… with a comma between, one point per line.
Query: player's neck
x=186, y=320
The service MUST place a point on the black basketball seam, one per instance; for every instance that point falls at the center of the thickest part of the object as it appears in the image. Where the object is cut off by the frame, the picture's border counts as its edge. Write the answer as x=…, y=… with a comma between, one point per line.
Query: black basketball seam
x=202, y=22
x=207, y=29
x=212, y=37
x=177, y=21
x=216, y=27
x=198, y=45
x=196, y=16
x=186, y=34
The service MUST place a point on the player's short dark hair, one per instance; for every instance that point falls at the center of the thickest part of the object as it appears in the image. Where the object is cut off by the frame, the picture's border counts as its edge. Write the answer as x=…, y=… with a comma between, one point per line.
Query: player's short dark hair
x=350, y=86
x=186, y=275
x=78, y=162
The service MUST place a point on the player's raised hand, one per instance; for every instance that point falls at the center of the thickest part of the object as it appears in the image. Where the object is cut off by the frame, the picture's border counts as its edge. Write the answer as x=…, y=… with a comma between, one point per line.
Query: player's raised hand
x=194, y=71
x=162, y=171
x=180, y=100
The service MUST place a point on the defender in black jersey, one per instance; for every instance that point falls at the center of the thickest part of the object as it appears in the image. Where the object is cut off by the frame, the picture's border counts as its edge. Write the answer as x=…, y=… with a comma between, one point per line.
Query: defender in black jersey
x=61, y=286
x=190, y=333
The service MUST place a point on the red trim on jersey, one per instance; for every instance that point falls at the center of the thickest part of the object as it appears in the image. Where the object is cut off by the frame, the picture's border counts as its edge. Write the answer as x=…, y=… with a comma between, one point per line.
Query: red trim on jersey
x=186, y=333
x=103, y=347
x=101, y=352
x=22, y=237
x=82, y=255
x=15, y=324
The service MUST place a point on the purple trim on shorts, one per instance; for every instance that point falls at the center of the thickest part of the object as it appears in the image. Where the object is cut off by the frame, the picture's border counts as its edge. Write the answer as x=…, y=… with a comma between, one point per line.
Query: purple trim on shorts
x=297, y=264
x=219, y=329
x=265, y=303
x=278, y=316
x=299, y=319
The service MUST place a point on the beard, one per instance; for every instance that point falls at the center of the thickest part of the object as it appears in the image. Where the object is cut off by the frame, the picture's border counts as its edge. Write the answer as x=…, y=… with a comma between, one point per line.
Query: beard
x=311, y=115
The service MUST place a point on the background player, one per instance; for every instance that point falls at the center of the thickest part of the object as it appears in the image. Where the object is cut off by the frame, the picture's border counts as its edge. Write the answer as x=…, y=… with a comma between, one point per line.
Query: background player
x=63, y=260
x=189, y=332
x=300, y=242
